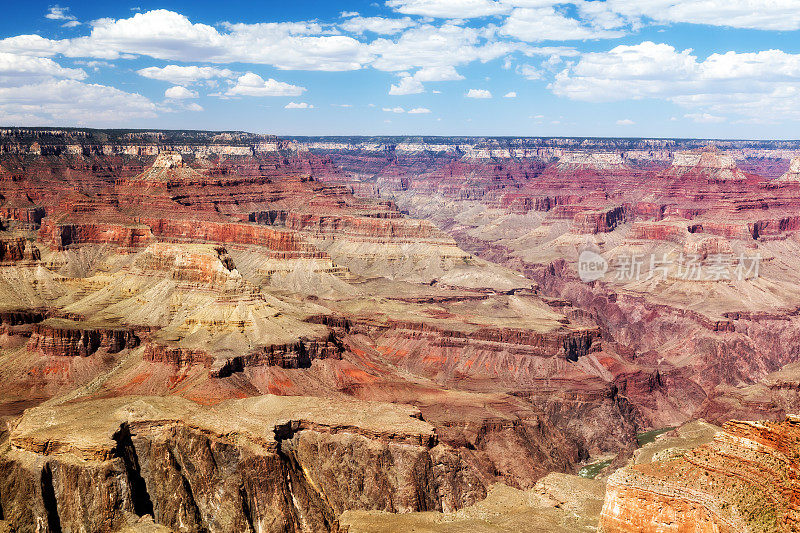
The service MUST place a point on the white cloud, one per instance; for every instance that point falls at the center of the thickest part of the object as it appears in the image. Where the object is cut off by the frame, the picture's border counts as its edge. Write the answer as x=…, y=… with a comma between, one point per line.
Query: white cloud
x=754, y=84
x=478, y=93
x=429, y=46
x=251, y=84
x=71, y=102
x=394, y=109
x=379, y=25
x=547, y=24
x=298, y=105
x=755, y=14
x=184, y=75
x=450, y=9
x=530, y=72
x=19, y=70
x=625, y=122
x=406, y=85
x=71, y=24
x=179, y=93
x=57, y=12
x=167, y=35
x=419, y=111
x=705, y=118
x=440, y=73
x=412, y=84
x=510, y=94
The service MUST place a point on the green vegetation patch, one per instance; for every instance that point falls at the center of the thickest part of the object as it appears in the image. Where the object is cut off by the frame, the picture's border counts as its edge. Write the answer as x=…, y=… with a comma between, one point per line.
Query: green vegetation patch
x=650, y=436
x=590, y=471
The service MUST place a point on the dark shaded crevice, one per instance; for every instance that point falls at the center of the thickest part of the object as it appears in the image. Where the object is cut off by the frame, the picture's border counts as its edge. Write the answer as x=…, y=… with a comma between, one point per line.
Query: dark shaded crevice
x=142, y=503
x=247, y=510
x=49, y=500
x=299, y=490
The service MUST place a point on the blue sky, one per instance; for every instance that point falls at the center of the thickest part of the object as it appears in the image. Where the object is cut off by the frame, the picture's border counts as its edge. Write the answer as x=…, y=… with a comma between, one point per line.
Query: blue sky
x=666, y=68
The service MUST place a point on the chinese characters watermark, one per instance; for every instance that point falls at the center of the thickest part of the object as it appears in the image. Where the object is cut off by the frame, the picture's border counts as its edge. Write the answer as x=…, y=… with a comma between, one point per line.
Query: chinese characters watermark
x=686, y=267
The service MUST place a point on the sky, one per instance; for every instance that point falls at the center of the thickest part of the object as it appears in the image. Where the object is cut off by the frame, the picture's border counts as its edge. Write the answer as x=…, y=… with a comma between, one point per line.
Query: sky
x=614, y=68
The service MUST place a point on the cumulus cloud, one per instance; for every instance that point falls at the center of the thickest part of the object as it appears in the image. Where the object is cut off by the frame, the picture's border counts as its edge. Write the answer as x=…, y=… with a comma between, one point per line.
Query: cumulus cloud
x=251, y=84
x=412, y=84
x=704, y=118
x=625, y=122
x=298, y=105
x=440, y=73
x=548, y=24
x=478, y=93
x=753, y=14
x=57, y=12
x=19, y=70
x=394, y=109
x=419, y=111
x=755, y=84
x=167, y=35
x=510, y=94
x=406, y=85
x=184, y=75
x=179, y=93
x=71, y=102
x=530, y=72
x=451, y=9
x=429, y=46
x=379, y=25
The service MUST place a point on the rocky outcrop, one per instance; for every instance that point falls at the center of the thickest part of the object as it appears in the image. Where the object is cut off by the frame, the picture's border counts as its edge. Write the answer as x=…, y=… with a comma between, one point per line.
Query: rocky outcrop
x=295, y=355
x=17, y=249
x=590, y=160
x=792, y=175
x=198, y=263
x=746, y=479
x=567, y=343
x=285, y=244
x=707, y=164
x=61, y=337
x=598, y=221
x=63, y=235
x=261, y=464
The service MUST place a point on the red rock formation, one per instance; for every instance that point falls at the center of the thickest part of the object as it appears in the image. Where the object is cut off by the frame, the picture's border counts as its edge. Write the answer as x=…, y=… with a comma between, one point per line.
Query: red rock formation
x=745, y=480
x=600, y=221
x=16, y=249
x=59, y=337
x=62, y=235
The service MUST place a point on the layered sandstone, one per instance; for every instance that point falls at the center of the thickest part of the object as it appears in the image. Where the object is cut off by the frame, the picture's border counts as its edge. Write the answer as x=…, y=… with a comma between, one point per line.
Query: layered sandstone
x=60, y=337
x=793, y=173
x=744, y=480
x=16, y=249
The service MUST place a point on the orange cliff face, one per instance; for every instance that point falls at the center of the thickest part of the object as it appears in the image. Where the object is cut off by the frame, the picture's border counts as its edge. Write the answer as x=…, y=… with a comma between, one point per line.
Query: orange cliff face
x=746, y=479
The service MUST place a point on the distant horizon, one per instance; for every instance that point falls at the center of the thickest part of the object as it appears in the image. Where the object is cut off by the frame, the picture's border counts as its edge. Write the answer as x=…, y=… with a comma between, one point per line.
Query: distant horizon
x=401, y=135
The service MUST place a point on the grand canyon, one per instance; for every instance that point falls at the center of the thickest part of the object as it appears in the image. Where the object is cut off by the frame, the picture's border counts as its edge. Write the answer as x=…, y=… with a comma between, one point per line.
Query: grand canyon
x=224, y=331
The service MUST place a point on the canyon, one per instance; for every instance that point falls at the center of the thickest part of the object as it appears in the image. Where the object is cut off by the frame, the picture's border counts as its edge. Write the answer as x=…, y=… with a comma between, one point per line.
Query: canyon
x=218, y=331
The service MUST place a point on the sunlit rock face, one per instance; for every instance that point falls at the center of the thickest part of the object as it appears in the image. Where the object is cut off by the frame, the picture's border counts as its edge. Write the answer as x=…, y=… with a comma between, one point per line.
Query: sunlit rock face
x=793, y=174
x=744, y=480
